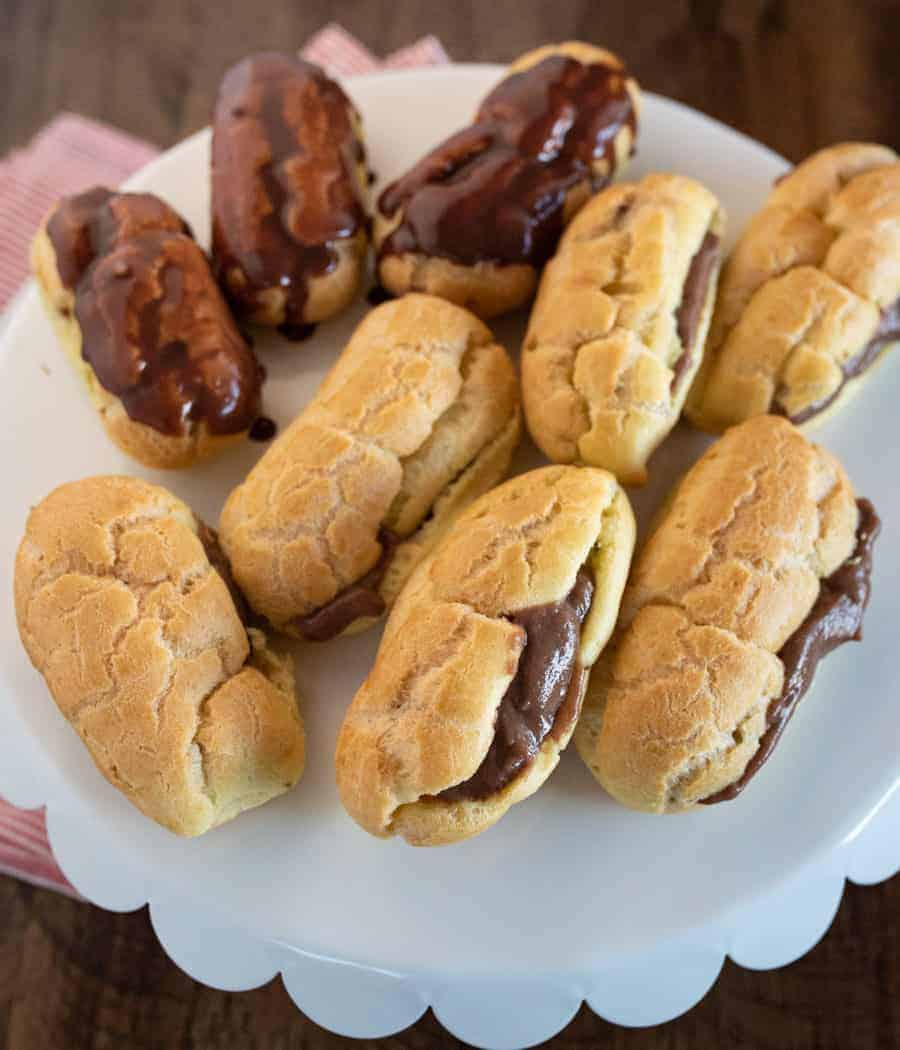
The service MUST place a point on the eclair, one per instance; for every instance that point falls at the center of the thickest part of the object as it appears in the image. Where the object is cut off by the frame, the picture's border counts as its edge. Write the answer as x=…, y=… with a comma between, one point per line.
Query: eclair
x=759, y=566
x=290, y=227
x=140, y=316
x=810, y=296
x=418, y=416
x=476, y=219
x=619, y=324
x=480, y=675
x=125, y=608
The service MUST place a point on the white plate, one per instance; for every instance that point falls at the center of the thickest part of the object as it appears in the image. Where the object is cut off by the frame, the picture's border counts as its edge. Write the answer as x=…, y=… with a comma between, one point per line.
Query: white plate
x=568, y=884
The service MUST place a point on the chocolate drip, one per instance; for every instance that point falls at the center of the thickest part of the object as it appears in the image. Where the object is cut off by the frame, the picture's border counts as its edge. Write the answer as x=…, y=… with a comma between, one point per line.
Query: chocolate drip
x=693, y=299
x=263, y=429
x=284, y=181
x=836, y=617
x=888, y=331
x=496, y=190
x=544, y=697
x=377, y=295
x=297, y=333
x=360, y=599
x=155, y=328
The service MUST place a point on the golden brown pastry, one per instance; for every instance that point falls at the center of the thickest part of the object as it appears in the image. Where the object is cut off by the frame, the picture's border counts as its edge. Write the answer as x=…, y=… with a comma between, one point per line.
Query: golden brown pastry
x=480, y=675
x=477, y=217
x=418, y=416
x=123, y=609
x=139, y=315
x=289, y=193
x=759, y=566
x=618, y=327
x=810, y=296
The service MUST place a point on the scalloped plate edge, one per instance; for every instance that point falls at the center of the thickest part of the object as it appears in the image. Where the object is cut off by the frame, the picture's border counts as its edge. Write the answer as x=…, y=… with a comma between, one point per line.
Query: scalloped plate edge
x=363, y=1002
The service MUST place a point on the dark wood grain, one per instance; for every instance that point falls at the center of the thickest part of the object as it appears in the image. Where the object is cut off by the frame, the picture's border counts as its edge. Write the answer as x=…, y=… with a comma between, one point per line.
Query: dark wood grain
x=794, y=74
x=76, y=978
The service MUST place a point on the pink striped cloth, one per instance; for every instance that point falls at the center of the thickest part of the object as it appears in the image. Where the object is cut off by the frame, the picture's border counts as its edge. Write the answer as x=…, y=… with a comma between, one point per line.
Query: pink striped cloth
x=70, y=154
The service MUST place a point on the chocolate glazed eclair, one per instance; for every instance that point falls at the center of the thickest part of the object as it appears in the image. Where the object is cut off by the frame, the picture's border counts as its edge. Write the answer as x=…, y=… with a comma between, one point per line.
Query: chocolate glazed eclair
x=418, y=416
x=759, y=567
x=480, y=675
x=619, y=325
x=135, y=306
x=810, y=295
x=476, y=219
x=289, y=193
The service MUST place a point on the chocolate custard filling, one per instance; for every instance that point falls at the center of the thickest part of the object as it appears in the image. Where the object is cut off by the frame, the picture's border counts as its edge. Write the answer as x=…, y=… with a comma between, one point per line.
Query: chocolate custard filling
x=836, y=617
x=210, y=540
x=496, y=190
x=543, y=699
x=362, y=598
x=359, y=599
x=888, y=331
x=155, y=329
x=693, y=299
x=284, y=184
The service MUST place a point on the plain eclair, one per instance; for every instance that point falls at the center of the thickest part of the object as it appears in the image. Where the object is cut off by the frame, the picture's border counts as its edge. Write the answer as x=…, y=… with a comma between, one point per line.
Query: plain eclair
x=417, y=417
x=618, y=328
x=125, y=606
x=479, y=678
x=759, y=566
x=810, y=295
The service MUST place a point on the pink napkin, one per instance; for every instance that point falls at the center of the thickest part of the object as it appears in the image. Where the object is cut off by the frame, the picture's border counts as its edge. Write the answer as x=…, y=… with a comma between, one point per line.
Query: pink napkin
x=70, y=154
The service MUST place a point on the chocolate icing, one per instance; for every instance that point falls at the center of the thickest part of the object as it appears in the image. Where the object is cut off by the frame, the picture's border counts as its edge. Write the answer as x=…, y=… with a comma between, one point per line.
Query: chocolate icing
x=495, y=191
x=284, y=187
x=69, y=230
x=158, y=335
x=693, y=299
x=91, y=223
x=836, y=617
x=545, y=695
x=888, y=331
x=357, y=600
x=155, y=329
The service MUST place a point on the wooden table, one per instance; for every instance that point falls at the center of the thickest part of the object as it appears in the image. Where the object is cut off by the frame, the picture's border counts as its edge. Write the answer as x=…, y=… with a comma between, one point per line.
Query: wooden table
x=793, y=73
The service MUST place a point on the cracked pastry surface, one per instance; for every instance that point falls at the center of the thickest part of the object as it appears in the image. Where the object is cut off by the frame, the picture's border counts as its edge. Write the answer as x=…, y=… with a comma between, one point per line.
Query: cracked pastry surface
x=417, y=417
x=189, y=714
x=289, y=192
x=139, y=315
x=478, y=216
x=425, y=718
x=677, y=705
x=617, y=330
x=810, y=295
